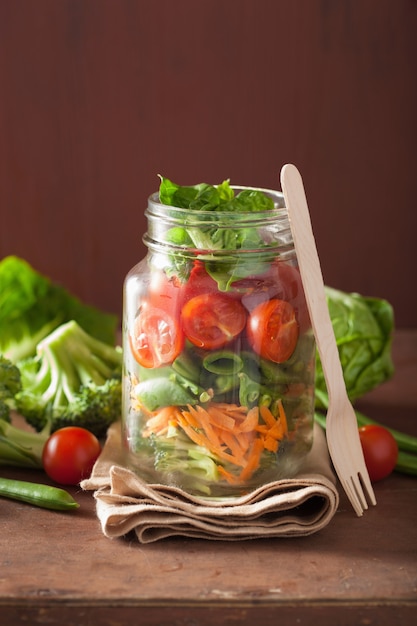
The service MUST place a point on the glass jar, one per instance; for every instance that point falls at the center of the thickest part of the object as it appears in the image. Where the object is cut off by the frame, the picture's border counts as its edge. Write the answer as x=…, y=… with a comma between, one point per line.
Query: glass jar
x=219, y=354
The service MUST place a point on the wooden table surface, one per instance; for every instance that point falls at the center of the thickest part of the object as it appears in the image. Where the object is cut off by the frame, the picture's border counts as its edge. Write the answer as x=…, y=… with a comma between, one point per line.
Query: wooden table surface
x=58, y=568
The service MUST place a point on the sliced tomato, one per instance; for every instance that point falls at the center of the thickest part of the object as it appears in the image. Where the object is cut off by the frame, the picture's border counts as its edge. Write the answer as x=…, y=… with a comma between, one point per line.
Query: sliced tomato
x=273, y=330
x=156, y=338
x=212, y=320
x=281, y=281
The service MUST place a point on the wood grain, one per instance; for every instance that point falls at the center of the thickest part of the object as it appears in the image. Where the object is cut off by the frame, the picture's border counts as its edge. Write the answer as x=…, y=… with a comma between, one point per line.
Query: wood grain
x=59, y=569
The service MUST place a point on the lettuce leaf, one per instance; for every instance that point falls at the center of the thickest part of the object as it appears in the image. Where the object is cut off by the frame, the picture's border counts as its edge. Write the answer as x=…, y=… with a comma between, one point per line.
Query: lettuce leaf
x=363, y=328
x=32, y=306
x=222, y=232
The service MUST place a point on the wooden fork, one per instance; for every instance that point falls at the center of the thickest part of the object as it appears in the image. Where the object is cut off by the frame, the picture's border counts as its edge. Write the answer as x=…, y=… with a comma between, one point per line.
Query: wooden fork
x=341, y=426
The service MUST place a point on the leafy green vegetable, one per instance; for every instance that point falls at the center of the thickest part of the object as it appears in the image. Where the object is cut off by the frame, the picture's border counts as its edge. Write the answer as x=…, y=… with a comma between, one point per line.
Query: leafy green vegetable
x=204, y=197
x=74, y=379
x=222, y=233
x=31, y=306
x=363, y=328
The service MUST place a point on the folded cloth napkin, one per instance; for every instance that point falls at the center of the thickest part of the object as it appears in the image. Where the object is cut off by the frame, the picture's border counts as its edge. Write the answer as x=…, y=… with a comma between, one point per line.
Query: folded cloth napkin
x=292, y=507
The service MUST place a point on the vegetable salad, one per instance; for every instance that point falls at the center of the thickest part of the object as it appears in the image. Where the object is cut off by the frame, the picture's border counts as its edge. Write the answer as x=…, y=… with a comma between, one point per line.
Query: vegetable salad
x=219, y=352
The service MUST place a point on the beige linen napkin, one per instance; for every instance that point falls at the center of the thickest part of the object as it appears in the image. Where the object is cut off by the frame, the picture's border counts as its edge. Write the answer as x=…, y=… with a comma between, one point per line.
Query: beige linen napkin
x=292, y=507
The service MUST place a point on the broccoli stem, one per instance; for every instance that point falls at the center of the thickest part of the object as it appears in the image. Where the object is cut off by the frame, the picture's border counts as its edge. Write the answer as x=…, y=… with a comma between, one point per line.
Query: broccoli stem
x=20, y=448
x=80, y=355
x=74, y=358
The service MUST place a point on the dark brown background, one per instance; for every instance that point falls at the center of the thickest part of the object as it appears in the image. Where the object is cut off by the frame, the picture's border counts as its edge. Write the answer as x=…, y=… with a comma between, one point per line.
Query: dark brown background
x=99, y=96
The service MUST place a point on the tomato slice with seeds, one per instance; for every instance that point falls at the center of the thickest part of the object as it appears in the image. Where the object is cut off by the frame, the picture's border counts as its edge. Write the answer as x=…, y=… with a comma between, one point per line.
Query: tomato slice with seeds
x=157, y=338
x=212, y=320
x=281, y=281
x=273, y=330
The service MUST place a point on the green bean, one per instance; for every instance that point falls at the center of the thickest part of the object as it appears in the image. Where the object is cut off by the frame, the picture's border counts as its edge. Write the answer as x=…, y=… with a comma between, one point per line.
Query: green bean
x=248, y=390
x=223, y=362
x=186, y=365
x=225, y=383
x=43, y=496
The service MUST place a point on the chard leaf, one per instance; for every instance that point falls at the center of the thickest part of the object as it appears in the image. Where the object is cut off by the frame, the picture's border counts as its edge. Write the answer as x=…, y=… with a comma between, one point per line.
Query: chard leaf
x=363, y=328
x=32, y=306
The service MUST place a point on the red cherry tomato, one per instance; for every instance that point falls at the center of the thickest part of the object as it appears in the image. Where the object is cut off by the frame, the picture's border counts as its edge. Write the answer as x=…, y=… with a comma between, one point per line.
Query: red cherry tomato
x=69, y=455
x=211, y=320
x=380, y=451
x=273, y=330
x=156, y=338
x=165, y=292
x=283, y=282
x=198, y=282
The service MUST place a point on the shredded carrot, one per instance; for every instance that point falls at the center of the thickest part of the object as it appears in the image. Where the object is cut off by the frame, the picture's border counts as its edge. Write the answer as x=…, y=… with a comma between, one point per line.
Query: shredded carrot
x=245, y=440
x=232, y=443
x=199, y=438
x=230, y=409
x=231, y=478
x=204, y=420
x=191, y=419
x=160, y=421
x=267, y=416
x=283, y=418
x=221, y=419
x=253, y=460
x=270, y=443
x=231, y=432
x=250, y=422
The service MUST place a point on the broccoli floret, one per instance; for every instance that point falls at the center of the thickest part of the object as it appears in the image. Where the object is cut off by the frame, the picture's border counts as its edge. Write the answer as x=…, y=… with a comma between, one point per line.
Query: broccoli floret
x=10, y=385
x=74, y=379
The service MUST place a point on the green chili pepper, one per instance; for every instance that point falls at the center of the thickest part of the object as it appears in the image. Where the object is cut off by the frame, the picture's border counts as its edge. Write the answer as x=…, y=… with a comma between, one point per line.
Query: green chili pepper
x=43, y=496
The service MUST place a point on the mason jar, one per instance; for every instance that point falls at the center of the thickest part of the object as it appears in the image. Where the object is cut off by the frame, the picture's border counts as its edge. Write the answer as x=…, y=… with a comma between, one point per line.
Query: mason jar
x=219, y=354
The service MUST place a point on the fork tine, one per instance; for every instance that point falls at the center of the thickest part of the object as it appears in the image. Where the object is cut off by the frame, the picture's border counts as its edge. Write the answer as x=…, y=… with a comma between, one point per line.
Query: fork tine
x=351, y=489
x=350, y=465
x=365, y=483
x=358, y=503
x=357, y=488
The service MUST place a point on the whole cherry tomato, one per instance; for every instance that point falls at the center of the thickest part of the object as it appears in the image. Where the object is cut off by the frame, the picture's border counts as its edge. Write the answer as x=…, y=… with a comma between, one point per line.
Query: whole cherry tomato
x=69, y=455
x=273, y=330
x=380, y=451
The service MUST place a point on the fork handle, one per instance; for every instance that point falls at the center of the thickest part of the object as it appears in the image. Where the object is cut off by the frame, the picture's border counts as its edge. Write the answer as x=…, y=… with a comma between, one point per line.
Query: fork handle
x=311, y=275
